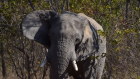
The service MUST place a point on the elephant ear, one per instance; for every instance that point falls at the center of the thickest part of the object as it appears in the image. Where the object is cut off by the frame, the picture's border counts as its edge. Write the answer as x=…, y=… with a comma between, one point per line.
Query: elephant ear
x=35, y=26
x=94, y=26
x=89, y=44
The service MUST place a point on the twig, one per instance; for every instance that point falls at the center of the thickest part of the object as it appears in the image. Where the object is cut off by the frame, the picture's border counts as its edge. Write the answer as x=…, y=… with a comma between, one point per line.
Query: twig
x=32, y=6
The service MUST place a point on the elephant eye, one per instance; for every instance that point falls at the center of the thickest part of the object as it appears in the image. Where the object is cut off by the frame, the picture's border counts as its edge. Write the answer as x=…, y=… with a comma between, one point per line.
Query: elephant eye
x=78, y=39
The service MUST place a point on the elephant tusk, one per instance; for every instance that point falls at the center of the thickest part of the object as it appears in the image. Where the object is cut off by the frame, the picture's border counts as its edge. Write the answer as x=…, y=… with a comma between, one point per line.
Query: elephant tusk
x=43, y=62
x=75, y=65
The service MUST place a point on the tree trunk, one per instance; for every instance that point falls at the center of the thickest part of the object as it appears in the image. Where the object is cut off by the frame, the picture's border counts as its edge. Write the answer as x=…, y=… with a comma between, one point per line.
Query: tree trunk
x=2, y=61
x=126, y=11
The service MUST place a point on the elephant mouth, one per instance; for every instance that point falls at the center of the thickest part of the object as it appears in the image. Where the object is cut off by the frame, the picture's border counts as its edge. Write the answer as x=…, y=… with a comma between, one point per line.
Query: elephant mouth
x=73, y=63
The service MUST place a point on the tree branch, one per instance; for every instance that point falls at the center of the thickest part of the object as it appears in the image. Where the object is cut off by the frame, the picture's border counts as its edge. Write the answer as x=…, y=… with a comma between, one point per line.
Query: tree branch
x=31, y=5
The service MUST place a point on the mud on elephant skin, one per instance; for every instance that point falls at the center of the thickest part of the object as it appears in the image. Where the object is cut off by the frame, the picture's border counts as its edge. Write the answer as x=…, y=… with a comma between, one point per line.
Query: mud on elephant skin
x=74, y=46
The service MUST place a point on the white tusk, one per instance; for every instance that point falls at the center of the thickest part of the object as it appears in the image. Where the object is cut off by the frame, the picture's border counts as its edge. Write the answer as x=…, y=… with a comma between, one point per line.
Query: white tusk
x=43, y=63
x=75, y=65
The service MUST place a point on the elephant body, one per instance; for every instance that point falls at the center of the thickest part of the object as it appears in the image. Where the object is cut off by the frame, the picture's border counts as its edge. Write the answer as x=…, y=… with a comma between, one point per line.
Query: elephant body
x=74, y=46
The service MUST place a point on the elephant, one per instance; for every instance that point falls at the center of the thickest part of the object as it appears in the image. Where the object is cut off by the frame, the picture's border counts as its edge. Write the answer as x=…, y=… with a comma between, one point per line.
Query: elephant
x=75, y=48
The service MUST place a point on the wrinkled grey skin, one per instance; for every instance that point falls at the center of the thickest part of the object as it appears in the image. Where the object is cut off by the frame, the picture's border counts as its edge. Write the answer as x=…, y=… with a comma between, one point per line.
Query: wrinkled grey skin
x=100, y=61
x=63, y=34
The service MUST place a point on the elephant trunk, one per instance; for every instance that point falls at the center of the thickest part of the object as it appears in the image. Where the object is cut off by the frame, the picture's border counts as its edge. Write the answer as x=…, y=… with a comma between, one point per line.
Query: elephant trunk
x=63, y=52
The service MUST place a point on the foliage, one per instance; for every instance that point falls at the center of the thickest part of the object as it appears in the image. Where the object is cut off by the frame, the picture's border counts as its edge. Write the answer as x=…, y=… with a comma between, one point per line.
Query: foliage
x=122, y=34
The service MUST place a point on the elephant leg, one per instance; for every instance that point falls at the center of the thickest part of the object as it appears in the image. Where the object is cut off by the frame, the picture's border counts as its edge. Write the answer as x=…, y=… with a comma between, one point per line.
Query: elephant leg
x=99, y=67
x=86, y=70
x=89, y=69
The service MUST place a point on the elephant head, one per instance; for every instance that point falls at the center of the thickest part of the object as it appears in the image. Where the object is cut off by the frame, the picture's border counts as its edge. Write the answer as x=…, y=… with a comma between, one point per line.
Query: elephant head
x=68, y=37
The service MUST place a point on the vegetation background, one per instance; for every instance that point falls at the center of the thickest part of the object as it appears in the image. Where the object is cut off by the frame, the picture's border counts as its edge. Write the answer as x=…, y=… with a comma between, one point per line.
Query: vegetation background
x=20, y=58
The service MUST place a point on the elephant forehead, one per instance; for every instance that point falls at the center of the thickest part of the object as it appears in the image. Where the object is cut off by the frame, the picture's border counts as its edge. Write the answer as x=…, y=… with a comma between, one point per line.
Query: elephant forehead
x=72, y=23
x=67, y=26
